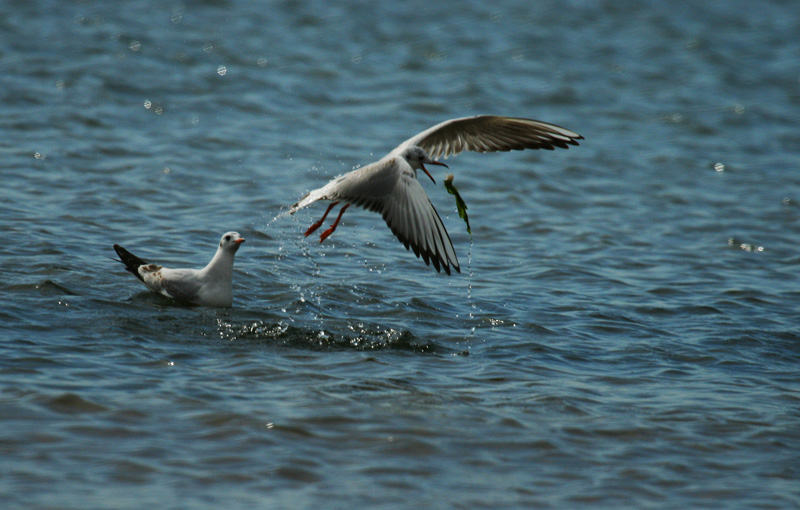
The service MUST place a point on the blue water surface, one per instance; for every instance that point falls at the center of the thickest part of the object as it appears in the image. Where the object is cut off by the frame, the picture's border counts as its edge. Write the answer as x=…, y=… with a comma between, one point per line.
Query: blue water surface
x=624, y=330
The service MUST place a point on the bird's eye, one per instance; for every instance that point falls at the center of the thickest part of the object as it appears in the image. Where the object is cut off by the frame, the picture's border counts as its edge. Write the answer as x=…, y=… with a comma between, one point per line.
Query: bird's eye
x=227, y=238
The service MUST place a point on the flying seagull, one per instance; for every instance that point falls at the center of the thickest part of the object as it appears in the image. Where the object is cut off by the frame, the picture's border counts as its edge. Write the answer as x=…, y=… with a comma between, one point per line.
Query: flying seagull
x=210, y=286
x=390, y=186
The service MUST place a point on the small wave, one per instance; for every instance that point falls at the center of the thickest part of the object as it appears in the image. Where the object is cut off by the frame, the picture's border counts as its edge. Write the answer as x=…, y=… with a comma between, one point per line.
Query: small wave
x=70, y=403
x=46, y=287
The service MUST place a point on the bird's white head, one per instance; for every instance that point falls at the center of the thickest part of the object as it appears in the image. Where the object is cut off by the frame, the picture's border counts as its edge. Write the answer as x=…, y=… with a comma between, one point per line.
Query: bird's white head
x=231, y=241
x=417, y=157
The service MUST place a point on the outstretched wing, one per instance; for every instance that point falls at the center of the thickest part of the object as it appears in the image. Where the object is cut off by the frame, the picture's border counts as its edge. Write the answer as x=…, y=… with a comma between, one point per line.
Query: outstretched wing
x=489, y=133
x=390, y=187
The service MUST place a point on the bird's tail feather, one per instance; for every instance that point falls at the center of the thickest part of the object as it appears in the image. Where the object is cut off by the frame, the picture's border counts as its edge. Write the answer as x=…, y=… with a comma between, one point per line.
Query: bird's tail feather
x=307, y=200
x=131, y=261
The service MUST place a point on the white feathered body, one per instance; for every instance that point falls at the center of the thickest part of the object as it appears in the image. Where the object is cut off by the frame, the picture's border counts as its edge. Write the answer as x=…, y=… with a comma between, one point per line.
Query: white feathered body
x=390, y=187
x=209, y=286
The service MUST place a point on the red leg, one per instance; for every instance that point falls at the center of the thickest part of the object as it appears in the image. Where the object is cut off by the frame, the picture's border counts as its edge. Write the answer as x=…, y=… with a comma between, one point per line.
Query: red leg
x=328, y=232
x=318, y=224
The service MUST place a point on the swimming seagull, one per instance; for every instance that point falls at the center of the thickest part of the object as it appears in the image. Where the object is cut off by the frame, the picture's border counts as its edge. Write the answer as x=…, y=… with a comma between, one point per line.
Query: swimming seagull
x=210, y=286
x=390, y=186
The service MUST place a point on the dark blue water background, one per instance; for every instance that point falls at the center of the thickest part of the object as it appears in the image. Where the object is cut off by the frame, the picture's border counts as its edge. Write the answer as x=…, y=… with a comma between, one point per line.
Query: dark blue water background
x=624, y=333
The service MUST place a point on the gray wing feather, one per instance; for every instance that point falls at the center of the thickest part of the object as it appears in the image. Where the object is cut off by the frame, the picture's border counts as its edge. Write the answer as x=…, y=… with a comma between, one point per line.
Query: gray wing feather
x=490, y=133
x=181, y=284
x=412, y=217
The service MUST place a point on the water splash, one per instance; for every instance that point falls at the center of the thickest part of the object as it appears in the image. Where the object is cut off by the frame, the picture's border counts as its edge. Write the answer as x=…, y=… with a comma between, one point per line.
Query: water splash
x=737, y=243
x=363, y=338
x=472, y=305
x=283, y=214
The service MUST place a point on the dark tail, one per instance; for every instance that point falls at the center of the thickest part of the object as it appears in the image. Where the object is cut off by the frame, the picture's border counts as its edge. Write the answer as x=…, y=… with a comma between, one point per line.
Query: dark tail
x=131, y=261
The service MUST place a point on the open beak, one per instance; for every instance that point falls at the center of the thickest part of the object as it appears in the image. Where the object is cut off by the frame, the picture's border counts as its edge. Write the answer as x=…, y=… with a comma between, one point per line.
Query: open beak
x=432, y=163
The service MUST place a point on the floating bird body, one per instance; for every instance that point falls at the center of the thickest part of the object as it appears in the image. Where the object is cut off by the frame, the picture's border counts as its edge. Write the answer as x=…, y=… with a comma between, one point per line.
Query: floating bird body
x=210, y=286
x=390, y=186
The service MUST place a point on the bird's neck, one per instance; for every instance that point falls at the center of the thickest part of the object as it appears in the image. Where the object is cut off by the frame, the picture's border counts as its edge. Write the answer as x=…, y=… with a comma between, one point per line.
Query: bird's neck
x=221, y=265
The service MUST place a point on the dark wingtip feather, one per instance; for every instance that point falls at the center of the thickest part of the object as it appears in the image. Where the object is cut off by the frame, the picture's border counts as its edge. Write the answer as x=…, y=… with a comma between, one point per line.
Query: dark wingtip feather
x=429, y=256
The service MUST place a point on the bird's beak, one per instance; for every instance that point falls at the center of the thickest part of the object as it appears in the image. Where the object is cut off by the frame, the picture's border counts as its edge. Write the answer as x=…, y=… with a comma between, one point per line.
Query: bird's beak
x=432, y=163
x=239, y=241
